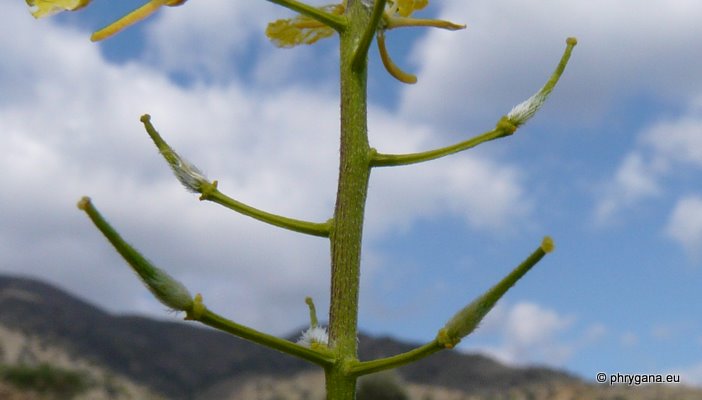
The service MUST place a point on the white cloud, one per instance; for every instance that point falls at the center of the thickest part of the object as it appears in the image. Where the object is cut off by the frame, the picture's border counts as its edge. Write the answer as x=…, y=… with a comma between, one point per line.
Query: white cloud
x=634, y=180
x=690, y=375
x=685, y=224
x=209, y=41
x=665, y=149
x=663, y=331
x=529, y=333
x=487, y=195
x=70, y=128
x=205, y=38
x=680, y=139
x=629, y=339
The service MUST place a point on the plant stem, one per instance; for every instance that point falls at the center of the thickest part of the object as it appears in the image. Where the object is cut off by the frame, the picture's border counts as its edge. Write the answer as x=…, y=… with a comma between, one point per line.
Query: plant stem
x=360, y=59
x=214, y=320
x=310, y=228
x=347, y=230
x=381, y=364
x=393, y=160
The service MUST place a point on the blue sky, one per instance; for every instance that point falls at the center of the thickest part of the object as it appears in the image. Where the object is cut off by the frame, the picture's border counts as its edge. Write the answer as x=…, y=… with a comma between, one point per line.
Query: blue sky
x=610, y=168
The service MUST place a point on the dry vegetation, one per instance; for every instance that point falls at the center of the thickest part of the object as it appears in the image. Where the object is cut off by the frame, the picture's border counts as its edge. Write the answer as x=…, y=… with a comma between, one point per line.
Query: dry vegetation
x=308, y=386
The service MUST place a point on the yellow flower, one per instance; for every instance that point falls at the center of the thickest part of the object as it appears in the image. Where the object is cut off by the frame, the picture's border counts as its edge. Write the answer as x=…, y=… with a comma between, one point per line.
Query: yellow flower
x=405, y=8
x=397, y=15
x=45, y=8
x=304, y=29
x=301, y=29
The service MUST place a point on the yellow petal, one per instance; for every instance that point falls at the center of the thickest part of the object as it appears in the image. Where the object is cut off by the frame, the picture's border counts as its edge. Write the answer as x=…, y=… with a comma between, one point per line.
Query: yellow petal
x=420, y=4
x=301, y=29
x=406, y=7
x=45, y=8
x=291, y=32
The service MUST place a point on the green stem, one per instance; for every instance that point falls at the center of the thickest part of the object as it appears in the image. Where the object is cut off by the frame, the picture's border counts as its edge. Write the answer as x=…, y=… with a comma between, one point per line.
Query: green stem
x=209, y=318
x=310, y=228
x=336, y=22
x=313, y=312
x=347, y=230
x=339, y=384
x=403, y=22
x=370, y=367
x=503, y=128
x=361, y=56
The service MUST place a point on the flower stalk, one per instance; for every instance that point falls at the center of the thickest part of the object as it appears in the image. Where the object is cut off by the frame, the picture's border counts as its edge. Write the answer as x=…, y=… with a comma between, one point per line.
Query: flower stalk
x=316, y=355
x=503, y=128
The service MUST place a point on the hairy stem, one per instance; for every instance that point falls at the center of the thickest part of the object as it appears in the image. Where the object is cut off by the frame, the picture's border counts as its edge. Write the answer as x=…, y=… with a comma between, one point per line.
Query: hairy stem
x=347, y=230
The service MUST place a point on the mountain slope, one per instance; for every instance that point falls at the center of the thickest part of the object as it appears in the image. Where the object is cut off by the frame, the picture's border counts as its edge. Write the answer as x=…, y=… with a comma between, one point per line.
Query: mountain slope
x=173, y=358
x=181, y=360
x=465, y=372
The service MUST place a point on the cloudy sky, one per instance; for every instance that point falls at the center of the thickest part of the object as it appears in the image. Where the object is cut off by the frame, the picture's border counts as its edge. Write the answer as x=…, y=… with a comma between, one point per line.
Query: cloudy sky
x=611, y=168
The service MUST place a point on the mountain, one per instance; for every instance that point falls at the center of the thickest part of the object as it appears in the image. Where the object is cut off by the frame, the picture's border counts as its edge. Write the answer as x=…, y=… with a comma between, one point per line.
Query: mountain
x=172, y=358
x=40, y=323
